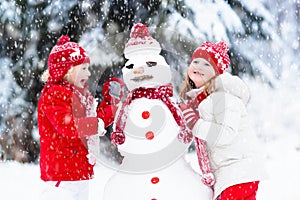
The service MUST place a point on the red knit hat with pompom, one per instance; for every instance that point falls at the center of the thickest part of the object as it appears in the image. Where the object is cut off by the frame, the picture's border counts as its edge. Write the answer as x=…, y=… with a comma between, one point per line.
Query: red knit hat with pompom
x=63, y=56
x=215, y=54
x=141, y=41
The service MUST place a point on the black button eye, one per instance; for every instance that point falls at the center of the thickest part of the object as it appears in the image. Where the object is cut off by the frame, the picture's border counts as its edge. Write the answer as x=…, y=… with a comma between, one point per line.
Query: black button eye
x=129, y=66
x=151, y=63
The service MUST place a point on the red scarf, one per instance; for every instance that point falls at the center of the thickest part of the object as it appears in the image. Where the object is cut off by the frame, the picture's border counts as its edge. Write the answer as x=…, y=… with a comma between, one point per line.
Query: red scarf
x=162, y=93
x=194, y=103
x=201, y=149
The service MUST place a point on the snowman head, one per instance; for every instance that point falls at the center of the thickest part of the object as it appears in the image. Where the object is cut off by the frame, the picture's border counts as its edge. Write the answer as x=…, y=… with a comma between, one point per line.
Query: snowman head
x=145, y=66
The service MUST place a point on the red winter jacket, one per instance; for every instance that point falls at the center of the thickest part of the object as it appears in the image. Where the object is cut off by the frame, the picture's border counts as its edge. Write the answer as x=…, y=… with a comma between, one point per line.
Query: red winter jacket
x=63, y=125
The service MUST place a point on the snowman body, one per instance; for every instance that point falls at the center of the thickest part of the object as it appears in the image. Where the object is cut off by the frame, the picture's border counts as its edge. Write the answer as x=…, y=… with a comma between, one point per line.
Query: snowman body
x=153, y=166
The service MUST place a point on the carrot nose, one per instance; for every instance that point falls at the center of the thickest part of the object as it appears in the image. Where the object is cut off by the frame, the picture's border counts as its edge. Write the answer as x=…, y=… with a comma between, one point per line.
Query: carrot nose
x=139, y=70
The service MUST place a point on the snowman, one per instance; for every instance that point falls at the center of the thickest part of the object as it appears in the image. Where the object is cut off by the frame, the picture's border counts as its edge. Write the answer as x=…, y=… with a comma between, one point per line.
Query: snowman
x=149, y=131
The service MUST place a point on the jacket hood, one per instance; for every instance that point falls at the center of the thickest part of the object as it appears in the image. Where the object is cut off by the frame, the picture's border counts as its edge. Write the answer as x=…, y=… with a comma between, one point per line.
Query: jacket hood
x=233, y=85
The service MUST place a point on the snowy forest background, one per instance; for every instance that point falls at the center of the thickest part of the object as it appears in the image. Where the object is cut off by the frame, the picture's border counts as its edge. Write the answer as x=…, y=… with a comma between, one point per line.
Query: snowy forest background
x=263, y=36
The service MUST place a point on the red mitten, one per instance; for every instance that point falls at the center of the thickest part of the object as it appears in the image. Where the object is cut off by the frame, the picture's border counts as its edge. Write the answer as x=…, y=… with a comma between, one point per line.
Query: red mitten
x=189, y=115
x=106, y=112
x=108, y=107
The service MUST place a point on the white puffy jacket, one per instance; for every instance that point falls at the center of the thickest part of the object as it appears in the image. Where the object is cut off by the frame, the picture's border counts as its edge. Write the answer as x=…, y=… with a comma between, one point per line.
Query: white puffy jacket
x=234, y=152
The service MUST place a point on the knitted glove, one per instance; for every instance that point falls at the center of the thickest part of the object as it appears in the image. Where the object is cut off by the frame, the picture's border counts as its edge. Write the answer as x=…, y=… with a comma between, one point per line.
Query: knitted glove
x=189, y=115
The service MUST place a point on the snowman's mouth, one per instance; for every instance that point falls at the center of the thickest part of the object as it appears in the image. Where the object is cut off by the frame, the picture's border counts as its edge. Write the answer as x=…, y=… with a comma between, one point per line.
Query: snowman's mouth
x=142, y=78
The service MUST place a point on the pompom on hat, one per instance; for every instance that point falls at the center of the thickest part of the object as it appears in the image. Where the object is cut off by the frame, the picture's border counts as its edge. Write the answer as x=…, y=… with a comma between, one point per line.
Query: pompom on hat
x=215, y=53
x=141, y=41
x=64, y=55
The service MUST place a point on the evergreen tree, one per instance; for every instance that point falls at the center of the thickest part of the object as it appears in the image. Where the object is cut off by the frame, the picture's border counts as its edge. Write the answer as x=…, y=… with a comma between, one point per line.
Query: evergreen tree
x=29, y=31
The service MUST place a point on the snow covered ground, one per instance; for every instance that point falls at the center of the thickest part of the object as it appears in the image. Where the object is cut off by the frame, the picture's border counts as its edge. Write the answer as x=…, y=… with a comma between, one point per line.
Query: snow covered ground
x=274, y=116
x=21, y=181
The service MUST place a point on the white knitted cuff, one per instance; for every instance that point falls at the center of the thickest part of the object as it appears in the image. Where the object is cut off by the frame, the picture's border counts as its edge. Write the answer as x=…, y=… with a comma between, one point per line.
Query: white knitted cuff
x=101, y=129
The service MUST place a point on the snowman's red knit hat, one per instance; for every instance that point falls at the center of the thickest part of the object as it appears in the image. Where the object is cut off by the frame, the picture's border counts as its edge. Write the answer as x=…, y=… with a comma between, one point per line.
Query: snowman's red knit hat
x=141, y=41
x=215, y=53
x=64, y=55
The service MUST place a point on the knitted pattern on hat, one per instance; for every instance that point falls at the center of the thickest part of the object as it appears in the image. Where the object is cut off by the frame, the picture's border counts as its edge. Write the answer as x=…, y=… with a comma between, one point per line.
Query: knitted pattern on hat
x=141, y=42
x=63, y=56
x=215, y=54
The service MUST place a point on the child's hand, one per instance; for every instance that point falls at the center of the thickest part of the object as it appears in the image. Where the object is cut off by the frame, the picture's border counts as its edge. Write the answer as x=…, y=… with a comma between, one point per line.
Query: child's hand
x=189, y=115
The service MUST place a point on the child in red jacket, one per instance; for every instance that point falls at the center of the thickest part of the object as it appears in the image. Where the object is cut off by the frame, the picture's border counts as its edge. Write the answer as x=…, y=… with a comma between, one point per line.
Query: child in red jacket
x=68, y=123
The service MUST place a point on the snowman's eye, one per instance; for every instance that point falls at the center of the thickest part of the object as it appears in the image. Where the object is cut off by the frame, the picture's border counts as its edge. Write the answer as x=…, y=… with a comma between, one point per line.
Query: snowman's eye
x=129, y=66
x=151, y=63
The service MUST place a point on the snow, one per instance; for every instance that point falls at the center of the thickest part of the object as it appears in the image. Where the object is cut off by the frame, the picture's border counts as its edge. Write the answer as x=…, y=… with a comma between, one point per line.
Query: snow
x=9, y=95
x=213, y=17
x=18, y=181
x=283, y=162
x=10, y=11
x=273, y=113
x=100, y=48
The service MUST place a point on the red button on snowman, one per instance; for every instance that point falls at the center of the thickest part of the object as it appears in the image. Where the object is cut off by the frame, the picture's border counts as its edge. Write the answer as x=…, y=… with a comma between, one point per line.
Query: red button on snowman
x=150, y=132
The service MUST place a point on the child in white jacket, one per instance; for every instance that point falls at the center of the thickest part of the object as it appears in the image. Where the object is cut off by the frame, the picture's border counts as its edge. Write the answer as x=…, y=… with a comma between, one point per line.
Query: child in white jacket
x=220, y=119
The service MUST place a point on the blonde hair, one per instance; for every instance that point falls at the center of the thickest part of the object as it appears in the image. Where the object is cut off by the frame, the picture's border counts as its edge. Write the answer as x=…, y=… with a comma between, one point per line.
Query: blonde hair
x=188, y=84
x=45, y=75
x=210, y=86
x=66, y=77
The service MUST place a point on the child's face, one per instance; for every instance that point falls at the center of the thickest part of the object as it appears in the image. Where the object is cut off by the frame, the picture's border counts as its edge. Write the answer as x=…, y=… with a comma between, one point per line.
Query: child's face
x=200, y=71
x=79, y=75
